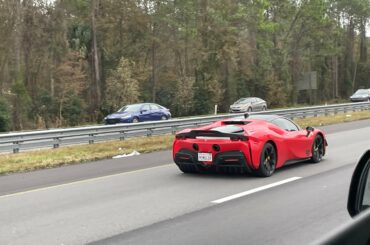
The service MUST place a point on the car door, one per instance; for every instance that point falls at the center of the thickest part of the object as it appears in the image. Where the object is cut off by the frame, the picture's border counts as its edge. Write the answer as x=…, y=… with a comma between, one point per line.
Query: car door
x=254, y=104
x=156, y=112
x=145, y=113
x=298, y=144
x=301, y=143
x=259, y=104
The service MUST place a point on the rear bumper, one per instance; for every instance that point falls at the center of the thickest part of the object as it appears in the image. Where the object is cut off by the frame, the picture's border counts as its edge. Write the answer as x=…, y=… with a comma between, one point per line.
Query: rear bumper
x=230, y=161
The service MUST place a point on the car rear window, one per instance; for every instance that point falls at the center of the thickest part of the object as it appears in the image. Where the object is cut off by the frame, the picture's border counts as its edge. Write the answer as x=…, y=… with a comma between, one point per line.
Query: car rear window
x=229, y=129
x=155, y=107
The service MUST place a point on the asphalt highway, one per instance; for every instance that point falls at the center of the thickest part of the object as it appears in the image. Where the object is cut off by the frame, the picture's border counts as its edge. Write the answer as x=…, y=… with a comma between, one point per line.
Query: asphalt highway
x=146, y=200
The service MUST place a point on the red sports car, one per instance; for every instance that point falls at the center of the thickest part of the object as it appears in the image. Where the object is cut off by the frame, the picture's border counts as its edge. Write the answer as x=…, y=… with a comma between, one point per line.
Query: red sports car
x=256, y=144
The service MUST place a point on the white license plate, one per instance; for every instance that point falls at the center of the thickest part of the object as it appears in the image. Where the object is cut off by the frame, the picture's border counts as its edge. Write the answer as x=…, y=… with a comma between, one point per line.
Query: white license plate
x=205, y=157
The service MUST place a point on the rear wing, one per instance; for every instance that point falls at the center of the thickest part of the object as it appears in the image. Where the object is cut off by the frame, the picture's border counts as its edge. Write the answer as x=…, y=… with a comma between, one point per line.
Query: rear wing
x=211, y=134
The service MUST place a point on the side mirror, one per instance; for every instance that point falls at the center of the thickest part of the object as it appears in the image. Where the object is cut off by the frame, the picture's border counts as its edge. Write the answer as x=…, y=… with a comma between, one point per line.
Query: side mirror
x=309, y=130
x=142, y=111
x=359, y=192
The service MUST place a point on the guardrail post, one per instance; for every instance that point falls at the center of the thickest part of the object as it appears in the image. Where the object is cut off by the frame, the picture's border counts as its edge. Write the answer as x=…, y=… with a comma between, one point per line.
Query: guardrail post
x=149, y=132
x=326, y=112
x=91, y=138
x=16, y=147
x=122, y=135
x=56, y=143
x=173, y=129
x=335, y=111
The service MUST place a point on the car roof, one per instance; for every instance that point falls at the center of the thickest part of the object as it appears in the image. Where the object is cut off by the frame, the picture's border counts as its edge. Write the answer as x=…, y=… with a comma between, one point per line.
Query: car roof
x=264, y=117
x=142, y=104
x=362, y=89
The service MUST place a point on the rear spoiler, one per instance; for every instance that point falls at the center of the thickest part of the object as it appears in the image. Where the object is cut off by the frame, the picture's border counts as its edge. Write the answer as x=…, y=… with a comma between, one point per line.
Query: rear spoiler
x=209, y=133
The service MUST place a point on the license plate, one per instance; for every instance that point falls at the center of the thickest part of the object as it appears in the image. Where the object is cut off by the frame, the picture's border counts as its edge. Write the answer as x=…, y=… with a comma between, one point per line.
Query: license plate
x=205, y=157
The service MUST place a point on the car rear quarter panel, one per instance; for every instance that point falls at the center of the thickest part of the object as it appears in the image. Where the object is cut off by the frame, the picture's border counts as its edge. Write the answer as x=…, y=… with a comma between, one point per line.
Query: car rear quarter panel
x=270, y=133
x=259, y=136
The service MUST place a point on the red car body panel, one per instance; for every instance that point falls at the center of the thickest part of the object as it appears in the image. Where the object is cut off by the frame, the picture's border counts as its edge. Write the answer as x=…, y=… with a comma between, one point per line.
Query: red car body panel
x=291, y=146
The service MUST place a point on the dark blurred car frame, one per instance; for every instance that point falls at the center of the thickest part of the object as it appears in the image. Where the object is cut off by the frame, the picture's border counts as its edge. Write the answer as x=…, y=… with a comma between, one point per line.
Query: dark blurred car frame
x=358, y=230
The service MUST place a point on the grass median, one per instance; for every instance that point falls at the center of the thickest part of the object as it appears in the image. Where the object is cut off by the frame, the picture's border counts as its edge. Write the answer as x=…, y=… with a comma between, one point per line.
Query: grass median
x=40, y=159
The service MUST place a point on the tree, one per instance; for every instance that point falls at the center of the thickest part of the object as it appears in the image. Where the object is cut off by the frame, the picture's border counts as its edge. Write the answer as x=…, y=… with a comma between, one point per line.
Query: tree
x=122, y=88
x=4, y=115
x=65, y=56
x=21, y=105
x=70, y=80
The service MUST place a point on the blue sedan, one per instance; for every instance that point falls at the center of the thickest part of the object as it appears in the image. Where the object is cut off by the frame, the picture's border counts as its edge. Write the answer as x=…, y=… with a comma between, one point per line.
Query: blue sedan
x=138, y=113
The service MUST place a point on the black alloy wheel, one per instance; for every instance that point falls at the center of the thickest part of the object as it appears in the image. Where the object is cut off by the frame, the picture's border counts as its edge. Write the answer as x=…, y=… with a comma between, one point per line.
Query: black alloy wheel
x=268, y=160
x=317, y=149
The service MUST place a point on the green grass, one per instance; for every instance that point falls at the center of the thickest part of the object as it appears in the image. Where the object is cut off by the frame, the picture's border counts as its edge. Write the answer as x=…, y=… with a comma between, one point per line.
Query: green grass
x=32, y=160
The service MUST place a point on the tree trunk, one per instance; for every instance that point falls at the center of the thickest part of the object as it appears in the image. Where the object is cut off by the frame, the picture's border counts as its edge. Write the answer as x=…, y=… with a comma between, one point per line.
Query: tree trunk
x=95, y=59
x=17, y=39
x=363, y=46
x=154, y=52
x=154, y=64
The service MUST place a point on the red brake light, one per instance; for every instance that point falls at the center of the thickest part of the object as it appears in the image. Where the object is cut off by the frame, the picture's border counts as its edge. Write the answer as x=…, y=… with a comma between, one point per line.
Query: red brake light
x=239, y=138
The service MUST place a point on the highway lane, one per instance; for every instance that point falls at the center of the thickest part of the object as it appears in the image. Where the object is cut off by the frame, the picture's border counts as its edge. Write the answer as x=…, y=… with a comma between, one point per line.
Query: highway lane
x=138, y=202
x=19, y=182
x=65, y=174
x=287, y=214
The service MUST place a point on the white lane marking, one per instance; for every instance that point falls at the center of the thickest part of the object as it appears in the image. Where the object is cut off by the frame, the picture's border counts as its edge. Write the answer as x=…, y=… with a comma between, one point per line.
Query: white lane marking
x=81, y=181
x=245, y=193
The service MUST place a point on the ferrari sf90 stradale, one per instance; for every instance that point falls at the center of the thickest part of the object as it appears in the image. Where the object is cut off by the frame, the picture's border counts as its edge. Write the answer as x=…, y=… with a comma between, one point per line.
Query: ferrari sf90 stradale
x=258, y=144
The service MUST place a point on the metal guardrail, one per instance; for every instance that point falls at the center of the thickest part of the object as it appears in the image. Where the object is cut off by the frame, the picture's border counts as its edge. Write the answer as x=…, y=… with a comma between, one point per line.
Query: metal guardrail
x=14, y=142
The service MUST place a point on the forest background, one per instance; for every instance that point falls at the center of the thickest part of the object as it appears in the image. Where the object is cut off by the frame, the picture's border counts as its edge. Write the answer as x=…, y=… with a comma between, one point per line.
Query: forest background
x=71, y=62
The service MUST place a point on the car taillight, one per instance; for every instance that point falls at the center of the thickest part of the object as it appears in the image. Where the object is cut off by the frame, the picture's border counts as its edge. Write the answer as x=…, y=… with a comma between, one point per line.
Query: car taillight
x=239, y=138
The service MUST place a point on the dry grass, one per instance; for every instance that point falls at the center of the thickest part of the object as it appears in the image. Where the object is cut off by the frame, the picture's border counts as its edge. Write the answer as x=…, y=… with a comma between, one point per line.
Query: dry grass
x=40, y=159
x=333, y=119
x=28, y=161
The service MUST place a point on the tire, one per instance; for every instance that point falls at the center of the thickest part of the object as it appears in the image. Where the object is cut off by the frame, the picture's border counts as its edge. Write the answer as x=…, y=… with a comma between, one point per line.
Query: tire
x=164, y=118
x=267, y=161
x=249, y=109
x=135, y=120
x=189, y=169
x=317, y=149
